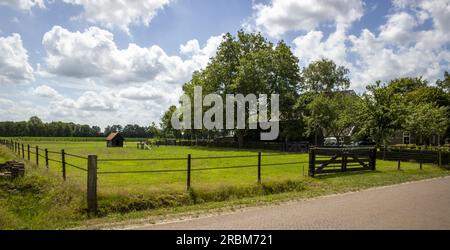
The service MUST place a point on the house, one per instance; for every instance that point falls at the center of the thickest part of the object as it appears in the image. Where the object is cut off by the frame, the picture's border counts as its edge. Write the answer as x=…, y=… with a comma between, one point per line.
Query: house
x=114, y=139
x=405, y=137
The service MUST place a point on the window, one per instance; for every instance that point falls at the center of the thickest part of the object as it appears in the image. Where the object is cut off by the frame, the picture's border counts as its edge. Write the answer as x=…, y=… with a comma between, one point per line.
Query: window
x=406, y=138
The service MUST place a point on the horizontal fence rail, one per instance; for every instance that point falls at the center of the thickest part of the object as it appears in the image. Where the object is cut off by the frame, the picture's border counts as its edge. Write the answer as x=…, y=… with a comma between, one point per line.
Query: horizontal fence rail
x=25, y=152
x=321, y=160
x=299, y=147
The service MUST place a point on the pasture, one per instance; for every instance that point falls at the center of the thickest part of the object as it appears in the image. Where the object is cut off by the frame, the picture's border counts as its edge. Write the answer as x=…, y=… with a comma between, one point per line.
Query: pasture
x=117, y=166
x=53, y=203
x=124, y=160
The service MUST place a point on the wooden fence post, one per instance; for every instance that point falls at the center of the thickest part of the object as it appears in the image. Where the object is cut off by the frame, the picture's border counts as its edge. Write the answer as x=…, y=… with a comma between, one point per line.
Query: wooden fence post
x=189, y=172
x=259, y=167
x=92, y=184
x=28, y=150
x=440, y=157
x=37, y=155
x=344, y=162
x=398, y=166
x=63, y=163
x=373, y=159
x=23, y=152
x=46, y=158
x=420, y=162
x=312, y=159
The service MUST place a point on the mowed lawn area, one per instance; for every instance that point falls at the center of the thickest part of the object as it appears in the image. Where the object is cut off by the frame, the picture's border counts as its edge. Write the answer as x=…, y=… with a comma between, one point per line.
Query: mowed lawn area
x=45, y=201
x=171, y=181
x=276, y=168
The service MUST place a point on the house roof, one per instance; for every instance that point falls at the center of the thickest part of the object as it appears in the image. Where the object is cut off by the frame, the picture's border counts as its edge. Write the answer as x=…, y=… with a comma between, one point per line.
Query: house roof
x=112, y=136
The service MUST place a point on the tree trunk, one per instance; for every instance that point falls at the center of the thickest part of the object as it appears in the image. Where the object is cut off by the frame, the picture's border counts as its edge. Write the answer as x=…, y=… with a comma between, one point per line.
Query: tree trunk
x=240, y=135
x=315, y=138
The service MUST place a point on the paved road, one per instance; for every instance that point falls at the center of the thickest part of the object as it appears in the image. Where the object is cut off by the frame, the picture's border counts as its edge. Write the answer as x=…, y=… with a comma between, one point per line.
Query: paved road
x=419, y=205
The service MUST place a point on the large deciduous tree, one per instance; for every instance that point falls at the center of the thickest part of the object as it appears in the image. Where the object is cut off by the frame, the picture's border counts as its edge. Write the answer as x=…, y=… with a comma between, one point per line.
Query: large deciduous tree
x=427, y=119
x=325, y=76
x=381, y=113
x=333, y=114
x=249, y=64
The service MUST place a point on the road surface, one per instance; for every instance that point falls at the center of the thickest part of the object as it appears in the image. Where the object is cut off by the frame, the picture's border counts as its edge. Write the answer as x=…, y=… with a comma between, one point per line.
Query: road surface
x=418, y=205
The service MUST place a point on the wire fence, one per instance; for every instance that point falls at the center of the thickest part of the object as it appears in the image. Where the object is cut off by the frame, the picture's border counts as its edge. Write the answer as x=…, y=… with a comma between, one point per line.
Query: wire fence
x=25, y=151
x=42, y=156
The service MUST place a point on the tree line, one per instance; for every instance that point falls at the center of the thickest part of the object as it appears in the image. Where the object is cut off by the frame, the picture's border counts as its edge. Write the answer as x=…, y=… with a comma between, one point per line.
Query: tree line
x=316, y=101
x=36, y=127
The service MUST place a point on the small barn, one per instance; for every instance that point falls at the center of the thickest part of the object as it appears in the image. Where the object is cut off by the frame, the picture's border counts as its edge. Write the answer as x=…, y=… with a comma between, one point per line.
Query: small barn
x=114, y=139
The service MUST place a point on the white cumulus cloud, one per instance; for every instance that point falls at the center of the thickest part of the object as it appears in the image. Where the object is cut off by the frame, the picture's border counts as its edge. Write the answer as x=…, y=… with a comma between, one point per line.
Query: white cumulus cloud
x=402, y=47
x=314, y=46
x=94, y=54
x=14, y=65
x=46, y=91
x=119, y=13
x=281, y=16
x=23, y=4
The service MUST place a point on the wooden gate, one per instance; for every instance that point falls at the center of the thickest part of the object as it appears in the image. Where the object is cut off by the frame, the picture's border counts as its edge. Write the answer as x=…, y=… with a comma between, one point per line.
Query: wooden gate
x=332, y=160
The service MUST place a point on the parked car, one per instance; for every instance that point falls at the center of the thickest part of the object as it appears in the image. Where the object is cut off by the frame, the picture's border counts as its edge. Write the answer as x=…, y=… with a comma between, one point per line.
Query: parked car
x=330, y=141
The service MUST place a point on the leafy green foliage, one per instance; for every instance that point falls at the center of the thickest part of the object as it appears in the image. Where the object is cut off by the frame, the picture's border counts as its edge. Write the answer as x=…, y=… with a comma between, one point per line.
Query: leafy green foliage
x=248, y=63
x=427, y=119
x=325, y=76
x=381, y=113
x=444, y=84
x=334, y=114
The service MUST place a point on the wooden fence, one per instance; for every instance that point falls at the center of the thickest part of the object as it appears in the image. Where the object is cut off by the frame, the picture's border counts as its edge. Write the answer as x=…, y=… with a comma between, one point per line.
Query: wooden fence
x=34, y=153
x=92, y=162
x=321, y=160
x=298, y=147
x=438, y=157
x=332, y=160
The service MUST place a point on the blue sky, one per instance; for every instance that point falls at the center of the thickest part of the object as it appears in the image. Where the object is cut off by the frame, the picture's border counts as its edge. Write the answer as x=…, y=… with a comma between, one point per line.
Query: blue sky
x=75, y=60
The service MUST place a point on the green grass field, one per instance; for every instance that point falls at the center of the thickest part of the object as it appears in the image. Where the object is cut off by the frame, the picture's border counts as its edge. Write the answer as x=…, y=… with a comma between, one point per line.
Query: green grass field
x=120, y=193
x=172, y=181
x=67, y=139
x=211, y=180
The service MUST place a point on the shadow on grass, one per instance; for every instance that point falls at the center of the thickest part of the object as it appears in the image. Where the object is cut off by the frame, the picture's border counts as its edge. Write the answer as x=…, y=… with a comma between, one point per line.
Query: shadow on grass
x=342, y=174
x=227, y=149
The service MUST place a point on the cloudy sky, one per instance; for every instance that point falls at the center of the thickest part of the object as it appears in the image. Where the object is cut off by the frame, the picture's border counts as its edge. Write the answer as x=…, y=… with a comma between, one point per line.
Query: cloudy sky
x=116, y=61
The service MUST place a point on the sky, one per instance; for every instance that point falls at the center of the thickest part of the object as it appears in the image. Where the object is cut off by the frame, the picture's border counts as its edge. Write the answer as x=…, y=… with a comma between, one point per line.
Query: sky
x=124, y=62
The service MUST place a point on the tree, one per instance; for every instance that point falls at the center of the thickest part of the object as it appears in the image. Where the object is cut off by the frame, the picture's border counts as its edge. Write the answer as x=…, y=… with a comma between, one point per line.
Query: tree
x=134, y=131
x=35, y=126
x=444, y=84
x=166, y=124
x=428, y=94
x=153, y=130
x=404, y=86
x=427, y=119
x=325, y=76
x=380, y=114
x=96, y=131
x=334, y=115
x=248, y=63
